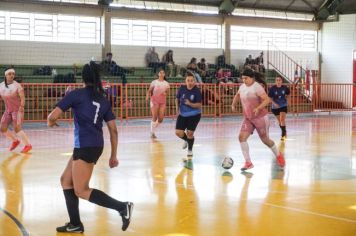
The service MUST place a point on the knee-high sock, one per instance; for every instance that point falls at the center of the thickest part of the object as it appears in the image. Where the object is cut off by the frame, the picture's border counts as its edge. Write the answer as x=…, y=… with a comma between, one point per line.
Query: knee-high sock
x=274, y=149
x=10, y=135
x=245, y=151
x=154, y=125
x=185, y=138
x=190, y=144
x=284, y=130
x=23, y=137
x=72, y=203
x=102, y=199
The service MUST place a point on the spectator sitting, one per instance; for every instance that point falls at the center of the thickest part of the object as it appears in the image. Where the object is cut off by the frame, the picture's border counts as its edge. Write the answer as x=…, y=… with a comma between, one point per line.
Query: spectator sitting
x=110, y=67
x=192, y=67
x=152, y=60
x=259, y=63
x=173, y=69
x=209, y=97
x=249, y=61
x=203, y=69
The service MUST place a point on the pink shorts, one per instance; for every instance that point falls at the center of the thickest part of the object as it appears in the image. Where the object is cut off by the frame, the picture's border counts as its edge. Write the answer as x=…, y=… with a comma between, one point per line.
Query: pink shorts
x=154, y=103
x=261, y=124
x=15, y=117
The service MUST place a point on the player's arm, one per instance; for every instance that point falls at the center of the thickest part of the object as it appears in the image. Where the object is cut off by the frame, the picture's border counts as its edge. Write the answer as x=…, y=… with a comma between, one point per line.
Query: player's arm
x=149, y=92
x=113, y=162
x=53, y=117
x=177, y=105
x=275, y=104
x=197, y=103
x=193, y=104
x=235, y=101
x=62, y=106
x=22, y=99
x=288, y=96
x=265, y=101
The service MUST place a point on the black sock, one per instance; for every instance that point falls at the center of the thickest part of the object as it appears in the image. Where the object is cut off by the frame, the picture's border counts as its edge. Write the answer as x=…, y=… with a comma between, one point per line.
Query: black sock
x=185, y=138
x=284, y=131
x=102, y=199
x=72, y=203
x=190, y=144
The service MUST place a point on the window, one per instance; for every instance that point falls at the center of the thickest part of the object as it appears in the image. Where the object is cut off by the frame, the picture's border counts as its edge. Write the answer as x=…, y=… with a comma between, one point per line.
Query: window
x=285, y=39
x=120, y=32
x=158, y=33
x=43, y=29
x=19, y=26
x=2, y=27
x=50, y=28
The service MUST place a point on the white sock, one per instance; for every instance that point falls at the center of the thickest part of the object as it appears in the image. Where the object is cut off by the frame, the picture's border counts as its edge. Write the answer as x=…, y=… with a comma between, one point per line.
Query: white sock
x=245, y=151
x=10, y=135
x=23, y=137
x=274, y=149
x=153, y=126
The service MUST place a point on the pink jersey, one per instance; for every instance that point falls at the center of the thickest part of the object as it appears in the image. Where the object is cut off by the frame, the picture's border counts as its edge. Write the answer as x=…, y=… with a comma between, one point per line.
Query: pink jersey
x=10, y=95
x=159, y=91
x=250, y=99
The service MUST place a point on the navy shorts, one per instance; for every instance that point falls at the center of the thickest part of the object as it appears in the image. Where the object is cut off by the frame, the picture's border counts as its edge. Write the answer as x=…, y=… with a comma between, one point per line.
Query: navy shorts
x=277, y=111
x=189, y=123
x=88, y=154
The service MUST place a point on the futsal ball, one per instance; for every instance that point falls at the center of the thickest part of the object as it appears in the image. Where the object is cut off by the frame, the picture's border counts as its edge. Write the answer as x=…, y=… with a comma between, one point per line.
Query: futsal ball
x=227, y=163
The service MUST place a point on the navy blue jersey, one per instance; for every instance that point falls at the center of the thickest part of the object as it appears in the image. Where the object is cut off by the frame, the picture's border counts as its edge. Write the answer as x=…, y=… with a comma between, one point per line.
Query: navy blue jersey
x=89, y=114
x=193, y=95
x=278, y=95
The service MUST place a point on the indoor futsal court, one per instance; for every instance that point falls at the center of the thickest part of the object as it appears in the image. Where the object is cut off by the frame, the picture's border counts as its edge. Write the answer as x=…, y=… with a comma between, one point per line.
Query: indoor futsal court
x=232, y=117
x=314, y=195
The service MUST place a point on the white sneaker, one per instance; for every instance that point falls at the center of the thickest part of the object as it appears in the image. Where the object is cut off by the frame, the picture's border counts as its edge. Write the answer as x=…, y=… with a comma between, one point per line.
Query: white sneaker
x=153, y=135
x=190, y=153
x=185, y=145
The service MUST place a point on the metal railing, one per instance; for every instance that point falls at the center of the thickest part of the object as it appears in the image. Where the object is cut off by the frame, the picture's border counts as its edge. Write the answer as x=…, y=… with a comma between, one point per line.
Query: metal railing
x=129, y=101
x=291, y=71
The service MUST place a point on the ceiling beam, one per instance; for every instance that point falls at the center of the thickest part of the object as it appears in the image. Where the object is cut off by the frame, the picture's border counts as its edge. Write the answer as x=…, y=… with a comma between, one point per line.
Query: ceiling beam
x=256, y=2
x=290, y=4
x=197, y=2
x=314, y=10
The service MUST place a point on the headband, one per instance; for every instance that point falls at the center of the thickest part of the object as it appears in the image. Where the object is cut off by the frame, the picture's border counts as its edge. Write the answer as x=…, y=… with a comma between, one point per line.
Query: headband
x=9, y=71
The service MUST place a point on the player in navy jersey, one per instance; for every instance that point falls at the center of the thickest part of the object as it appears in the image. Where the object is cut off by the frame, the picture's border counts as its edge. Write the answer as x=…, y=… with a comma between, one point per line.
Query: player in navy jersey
x=90, y=108
x=279, y=94
x=188, y=105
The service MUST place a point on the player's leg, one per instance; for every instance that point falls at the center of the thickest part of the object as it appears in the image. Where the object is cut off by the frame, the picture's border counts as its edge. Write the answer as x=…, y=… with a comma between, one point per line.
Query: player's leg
x=180, y=130
x=17, y=121
x=262, y=127
x=6, y=119
x=72, y=202
x=82, y=170
x=283, y=115
x=245, y=132
x=154, y=121
x=192, y=124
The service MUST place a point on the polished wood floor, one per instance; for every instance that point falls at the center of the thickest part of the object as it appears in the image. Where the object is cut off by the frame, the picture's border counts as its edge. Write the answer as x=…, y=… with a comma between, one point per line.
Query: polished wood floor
x=314, y=195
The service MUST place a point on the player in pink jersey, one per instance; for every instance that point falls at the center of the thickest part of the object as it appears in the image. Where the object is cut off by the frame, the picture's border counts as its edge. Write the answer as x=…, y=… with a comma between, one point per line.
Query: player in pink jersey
x=13, y=95
x=254, y=101
x=157, y=92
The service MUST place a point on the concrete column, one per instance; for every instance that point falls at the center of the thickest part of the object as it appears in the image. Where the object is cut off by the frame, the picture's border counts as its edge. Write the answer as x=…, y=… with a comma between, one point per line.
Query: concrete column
x=106, y=32
x=227, y=41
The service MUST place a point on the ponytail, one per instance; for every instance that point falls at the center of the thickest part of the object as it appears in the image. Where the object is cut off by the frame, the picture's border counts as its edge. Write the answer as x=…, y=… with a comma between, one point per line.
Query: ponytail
x=91, y=77
x=261, y=80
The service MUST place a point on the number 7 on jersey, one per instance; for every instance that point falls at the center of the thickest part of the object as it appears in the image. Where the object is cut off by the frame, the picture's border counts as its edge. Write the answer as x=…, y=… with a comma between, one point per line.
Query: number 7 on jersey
x=97, y=111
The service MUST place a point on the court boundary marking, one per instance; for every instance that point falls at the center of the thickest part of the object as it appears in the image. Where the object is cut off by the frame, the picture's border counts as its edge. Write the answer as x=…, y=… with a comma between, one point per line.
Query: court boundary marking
x=17, y=222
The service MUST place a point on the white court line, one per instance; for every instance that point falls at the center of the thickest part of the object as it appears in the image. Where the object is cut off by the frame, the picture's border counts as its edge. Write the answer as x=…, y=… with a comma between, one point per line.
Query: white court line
x=308, y=212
